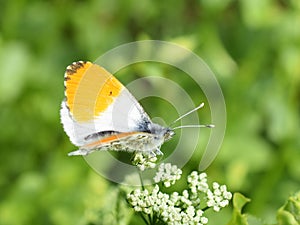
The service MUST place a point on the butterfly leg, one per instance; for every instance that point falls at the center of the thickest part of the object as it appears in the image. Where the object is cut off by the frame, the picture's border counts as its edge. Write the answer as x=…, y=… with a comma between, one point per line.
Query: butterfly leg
x=154, y=153
x=158, y=152
x=80, y=151
x=151, y=154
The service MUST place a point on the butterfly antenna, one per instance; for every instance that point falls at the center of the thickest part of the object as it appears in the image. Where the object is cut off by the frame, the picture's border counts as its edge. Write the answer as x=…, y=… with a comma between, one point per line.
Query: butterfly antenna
x=194, y=126
x=188, y=113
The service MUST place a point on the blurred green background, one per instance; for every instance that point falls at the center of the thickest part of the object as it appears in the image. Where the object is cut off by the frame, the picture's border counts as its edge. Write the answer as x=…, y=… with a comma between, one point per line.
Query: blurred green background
x=253, y=47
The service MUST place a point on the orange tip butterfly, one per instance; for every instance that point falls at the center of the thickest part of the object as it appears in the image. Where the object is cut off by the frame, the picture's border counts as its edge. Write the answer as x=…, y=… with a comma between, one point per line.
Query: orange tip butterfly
x=99, y=113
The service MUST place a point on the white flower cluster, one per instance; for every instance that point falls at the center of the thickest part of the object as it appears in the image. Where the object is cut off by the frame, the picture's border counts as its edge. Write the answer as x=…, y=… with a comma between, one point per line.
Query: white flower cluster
x=168, y=208
x=168, y=174
x=219, y=197
x=144, y=161
x=197, y=182
x=184, y=208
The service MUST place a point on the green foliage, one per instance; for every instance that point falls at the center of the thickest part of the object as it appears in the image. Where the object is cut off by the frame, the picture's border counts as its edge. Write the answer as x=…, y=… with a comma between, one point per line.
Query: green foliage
x=239, y=202
x=252, y=46
x=290, y=212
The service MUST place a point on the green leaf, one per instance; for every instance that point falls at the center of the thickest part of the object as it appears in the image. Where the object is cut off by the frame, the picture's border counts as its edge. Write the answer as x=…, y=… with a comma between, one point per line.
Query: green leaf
x=289, y=213
x=238, y=203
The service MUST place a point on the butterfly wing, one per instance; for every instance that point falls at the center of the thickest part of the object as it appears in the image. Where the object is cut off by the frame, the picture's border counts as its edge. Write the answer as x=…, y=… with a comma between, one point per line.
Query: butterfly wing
x=125, y=141
x=95, y=101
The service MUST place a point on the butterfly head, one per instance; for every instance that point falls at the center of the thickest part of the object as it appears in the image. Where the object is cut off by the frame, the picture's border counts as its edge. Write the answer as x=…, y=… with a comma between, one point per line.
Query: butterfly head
x=169, y=133
x=163, y=133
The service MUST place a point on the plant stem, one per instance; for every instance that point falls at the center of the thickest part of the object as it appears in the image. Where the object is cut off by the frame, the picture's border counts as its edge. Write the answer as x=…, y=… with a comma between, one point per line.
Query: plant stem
x=141, y=179
x=205, y=208
x=143, y=187
x=144, y=218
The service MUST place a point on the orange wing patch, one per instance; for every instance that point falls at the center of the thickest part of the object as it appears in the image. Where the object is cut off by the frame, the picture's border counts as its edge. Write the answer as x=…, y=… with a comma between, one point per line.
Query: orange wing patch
x=90, y=89
x=109, y=139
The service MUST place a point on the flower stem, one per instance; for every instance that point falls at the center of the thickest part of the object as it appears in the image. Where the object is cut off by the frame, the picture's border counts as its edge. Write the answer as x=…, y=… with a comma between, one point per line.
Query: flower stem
x=205, y=208
x=141, y=179
x=144, y=218
x=143, y=187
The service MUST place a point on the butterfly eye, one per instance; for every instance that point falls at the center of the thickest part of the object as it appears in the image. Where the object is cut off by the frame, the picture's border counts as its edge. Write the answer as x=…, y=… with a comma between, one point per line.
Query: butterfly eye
x=169, y=134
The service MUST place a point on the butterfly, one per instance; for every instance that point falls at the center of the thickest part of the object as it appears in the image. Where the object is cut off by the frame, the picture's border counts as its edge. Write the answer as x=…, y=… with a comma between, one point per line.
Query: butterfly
x=99, y=113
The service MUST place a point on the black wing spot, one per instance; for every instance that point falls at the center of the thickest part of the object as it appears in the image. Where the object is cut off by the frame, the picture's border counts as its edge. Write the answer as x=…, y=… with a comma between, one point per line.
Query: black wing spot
x=101, y=134
x=67, y=78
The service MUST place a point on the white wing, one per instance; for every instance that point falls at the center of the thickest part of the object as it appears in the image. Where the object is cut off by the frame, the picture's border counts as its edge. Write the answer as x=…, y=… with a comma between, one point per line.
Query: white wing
x=96, y=101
